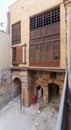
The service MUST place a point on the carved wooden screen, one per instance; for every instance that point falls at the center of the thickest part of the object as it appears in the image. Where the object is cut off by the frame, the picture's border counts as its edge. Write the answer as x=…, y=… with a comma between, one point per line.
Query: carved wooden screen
x=45, y=37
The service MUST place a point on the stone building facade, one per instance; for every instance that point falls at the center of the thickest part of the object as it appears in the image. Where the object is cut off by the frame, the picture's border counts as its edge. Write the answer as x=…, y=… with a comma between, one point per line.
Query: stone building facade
x=38, y=50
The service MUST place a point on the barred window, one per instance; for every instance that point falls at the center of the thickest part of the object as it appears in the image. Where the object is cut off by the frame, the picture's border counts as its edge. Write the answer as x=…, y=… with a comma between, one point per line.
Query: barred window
x=55, y=15
x=40, y=20
x=45, y=18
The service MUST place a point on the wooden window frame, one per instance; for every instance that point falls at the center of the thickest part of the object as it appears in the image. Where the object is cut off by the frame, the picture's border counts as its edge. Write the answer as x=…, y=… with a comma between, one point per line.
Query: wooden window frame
x=21, y=62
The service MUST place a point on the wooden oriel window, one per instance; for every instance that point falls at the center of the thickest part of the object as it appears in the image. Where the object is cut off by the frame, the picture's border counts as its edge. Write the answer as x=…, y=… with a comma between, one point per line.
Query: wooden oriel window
x=45, y=37
x=17, y=54
x=16, y=33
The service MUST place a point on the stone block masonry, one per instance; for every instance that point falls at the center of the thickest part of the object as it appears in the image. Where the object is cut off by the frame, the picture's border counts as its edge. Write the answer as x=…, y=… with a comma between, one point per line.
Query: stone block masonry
x=5, y=87
x=31, y=81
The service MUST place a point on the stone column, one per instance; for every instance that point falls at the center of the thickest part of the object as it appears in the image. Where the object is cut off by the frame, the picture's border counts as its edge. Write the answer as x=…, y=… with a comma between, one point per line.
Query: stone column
x=25, y=88
x=45, y=94
x=25, y=95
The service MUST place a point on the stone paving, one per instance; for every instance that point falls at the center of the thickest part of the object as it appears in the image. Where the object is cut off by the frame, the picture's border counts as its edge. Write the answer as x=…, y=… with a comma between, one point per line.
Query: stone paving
x=12, y=118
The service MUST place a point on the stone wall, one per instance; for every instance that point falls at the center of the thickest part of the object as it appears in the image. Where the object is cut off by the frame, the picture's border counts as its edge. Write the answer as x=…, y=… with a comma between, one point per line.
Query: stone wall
x=43, y=79
x=5, y=87
x=30, y=80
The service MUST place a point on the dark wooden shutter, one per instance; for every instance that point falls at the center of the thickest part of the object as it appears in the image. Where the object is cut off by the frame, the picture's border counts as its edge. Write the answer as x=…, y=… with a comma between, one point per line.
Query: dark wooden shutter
x=19, y=54
x=16, y=33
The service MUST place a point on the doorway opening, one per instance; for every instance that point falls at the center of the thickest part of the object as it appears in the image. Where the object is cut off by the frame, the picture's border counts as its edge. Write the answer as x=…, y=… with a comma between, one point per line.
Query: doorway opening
x=16, y=88
x=53, y=91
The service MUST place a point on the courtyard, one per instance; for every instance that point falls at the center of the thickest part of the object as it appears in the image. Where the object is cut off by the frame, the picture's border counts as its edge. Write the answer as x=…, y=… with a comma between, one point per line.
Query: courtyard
x=28, y=118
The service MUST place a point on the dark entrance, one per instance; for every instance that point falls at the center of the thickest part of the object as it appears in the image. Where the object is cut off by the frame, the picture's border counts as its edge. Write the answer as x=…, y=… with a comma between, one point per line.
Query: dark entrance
x=53, y=91
x=16, y=88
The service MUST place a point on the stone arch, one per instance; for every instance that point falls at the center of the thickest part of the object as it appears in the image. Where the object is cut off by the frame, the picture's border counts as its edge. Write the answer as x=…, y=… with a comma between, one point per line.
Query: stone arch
x=53, y=91
x=16, y=87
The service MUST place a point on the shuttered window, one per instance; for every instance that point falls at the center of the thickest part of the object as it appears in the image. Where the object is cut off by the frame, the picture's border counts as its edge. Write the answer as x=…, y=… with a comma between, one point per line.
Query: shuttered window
x=16, y=33
x=17, y=54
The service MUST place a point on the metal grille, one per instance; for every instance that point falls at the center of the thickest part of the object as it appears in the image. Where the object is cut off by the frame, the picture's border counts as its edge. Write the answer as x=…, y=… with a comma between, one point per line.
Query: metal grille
x=46, y=18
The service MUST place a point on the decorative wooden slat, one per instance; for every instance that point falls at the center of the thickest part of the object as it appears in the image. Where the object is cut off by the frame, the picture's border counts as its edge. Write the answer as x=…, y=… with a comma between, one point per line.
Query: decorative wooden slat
x=37, y=52
x=32, y=53
x=42, y=52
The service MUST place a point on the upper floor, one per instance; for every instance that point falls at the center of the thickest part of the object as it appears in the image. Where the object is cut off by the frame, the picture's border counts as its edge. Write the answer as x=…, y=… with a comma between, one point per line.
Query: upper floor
x=38, y=33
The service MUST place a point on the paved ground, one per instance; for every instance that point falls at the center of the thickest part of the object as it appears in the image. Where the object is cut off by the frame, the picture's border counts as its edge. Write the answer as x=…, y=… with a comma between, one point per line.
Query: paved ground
x=12, y=118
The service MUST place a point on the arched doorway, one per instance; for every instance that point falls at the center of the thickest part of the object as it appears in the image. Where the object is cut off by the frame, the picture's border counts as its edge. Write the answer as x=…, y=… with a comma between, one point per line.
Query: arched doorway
x=39, y=92
x=53, y=91
x=16, y=87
